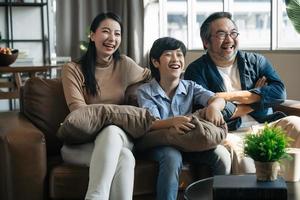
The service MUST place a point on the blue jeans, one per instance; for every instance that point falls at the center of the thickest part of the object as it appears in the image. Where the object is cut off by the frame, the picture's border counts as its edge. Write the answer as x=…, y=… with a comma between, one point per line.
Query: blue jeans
x=170, y=163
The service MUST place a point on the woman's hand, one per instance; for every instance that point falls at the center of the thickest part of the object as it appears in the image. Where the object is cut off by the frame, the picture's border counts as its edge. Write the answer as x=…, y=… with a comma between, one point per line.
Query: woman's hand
x=214, y=116
x=182, y=124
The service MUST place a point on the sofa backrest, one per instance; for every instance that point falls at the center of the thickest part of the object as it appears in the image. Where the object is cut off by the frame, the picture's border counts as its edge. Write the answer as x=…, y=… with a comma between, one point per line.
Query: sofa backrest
x=42, y=101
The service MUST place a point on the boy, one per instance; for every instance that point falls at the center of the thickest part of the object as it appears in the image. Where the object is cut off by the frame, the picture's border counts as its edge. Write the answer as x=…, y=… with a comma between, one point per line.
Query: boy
x=169, y=99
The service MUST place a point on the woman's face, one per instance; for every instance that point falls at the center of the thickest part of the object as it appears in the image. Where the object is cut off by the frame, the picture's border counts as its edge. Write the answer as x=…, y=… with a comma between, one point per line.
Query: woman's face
x=107, y=38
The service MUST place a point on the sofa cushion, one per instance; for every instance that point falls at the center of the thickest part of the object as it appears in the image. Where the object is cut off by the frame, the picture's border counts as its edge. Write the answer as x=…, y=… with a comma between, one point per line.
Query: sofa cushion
x=43, y=103
x=83, y=124
x=63, y=177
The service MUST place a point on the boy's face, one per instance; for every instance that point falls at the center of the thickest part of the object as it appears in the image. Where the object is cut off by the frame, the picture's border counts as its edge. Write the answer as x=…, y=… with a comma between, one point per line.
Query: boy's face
x=170, y=64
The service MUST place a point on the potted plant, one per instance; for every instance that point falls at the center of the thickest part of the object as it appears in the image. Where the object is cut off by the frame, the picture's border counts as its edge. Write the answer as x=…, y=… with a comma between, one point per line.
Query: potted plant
x=266, y=148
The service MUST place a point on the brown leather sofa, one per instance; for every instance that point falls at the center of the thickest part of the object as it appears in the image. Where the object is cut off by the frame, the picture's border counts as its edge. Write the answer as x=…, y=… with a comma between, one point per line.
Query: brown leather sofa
x=31, y=167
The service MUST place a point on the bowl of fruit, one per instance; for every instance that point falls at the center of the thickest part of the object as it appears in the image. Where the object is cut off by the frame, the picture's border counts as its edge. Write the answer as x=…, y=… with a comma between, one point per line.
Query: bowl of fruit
x=8, y=56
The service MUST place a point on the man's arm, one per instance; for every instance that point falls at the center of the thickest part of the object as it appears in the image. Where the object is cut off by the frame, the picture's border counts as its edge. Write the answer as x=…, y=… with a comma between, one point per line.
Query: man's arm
x=241, y=110
x=273, y=92
x=242, y=97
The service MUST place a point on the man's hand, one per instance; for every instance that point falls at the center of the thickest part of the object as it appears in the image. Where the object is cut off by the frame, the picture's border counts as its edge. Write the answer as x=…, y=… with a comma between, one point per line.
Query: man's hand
x=261, y=82
x=182, y=124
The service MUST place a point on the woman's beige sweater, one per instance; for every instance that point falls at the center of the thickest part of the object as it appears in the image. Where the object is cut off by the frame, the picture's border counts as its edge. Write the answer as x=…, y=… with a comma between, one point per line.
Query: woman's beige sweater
x=113, y=77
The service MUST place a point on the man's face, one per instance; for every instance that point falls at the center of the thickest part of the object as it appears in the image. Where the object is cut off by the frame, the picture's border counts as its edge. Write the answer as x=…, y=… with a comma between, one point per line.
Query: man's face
x=222, y=45
x=170, y=64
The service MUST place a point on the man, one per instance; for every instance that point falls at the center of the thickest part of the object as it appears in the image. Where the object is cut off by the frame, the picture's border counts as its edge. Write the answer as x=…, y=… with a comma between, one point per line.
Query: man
x=247, y=81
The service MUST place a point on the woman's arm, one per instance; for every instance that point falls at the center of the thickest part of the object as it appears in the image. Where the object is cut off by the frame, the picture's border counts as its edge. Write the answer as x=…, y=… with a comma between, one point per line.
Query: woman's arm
x=134, y=72
x=72, y=81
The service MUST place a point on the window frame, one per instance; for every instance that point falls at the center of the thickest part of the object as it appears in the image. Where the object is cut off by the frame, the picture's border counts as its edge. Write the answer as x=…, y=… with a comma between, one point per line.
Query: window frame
x=275, y=15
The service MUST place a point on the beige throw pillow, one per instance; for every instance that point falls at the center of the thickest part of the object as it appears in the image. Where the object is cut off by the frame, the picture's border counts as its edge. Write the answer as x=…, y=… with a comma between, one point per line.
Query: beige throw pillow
x=83, y=124
x=203, y=137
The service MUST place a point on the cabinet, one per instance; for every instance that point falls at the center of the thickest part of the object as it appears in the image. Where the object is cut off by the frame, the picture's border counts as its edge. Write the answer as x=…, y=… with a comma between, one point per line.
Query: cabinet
x=24, y=25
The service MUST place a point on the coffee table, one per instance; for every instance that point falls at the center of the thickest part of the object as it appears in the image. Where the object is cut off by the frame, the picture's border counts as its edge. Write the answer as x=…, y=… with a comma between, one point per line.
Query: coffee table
x=202, y=190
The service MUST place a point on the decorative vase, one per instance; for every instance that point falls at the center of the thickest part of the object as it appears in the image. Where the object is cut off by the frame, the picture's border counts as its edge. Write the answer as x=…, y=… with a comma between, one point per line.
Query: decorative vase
x=266, y=171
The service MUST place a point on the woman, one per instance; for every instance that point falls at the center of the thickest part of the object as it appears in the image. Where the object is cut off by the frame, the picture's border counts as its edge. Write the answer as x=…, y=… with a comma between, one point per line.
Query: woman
x=102, y=76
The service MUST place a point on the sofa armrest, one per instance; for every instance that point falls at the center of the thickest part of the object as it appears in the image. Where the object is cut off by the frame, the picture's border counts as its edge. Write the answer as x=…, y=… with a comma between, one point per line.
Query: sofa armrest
x=22, y=158
x=289, y=107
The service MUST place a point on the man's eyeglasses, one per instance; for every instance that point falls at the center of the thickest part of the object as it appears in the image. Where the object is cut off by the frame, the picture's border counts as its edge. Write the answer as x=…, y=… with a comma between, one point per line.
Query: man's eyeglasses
x=222, y=35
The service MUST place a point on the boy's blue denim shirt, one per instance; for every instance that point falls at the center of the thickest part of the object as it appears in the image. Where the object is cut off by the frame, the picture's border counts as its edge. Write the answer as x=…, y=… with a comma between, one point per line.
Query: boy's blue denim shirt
x=252, y=66
x=152, y=97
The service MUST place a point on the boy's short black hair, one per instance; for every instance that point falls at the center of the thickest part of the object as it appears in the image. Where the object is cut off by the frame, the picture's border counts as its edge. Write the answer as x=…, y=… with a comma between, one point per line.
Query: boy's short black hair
x=159, y=46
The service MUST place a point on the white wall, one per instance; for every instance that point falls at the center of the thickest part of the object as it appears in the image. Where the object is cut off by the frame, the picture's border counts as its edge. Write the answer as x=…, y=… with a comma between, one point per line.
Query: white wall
x=287, y=64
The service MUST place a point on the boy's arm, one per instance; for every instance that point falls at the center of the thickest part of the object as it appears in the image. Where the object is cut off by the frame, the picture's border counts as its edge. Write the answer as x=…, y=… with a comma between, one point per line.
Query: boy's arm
x=182, y=124
x=213, y=110
x=146, y=101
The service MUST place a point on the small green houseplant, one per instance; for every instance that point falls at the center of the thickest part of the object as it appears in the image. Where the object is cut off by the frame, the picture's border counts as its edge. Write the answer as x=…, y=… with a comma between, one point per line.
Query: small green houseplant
x=266, y=148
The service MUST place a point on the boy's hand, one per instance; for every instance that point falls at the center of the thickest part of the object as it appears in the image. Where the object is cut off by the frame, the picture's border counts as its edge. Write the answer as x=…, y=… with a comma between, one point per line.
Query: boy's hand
x=182, y=124
x=214, y=116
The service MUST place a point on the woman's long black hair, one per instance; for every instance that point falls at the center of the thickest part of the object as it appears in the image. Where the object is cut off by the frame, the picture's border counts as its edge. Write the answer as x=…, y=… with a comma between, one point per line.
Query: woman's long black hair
x=88, y=60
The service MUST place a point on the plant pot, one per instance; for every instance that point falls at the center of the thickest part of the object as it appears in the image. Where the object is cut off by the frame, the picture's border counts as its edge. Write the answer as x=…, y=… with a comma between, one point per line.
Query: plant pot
x=266, y=171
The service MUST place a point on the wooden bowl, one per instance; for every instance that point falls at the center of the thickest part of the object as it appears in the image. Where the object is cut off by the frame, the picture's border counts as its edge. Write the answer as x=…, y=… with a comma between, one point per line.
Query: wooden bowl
x=6, y=60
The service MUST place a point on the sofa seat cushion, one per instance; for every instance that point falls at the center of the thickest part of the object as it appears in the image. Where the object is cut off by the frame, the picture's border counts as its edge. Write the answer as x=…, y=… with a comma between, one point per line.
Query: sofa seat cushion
x=70, y=181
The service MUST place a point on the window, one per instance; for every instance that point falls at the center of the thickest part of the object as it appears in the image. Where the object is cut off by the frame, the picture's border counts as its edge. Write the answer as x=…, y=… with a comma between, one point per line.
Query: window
x=288, y=38
x=263, y=24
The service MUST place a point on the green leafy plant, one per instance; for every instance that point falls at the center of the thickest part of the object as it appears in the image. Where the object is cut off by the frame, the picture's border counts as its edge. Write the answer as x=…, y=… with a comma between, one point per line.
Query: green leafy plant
x=268, y=145
x=293, y=12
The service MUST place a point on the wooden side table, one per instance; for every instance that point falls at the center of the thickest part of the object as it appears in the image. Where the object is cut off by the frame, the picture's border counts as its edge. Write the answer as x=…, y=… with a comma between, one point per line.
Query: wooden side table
x=14, y=81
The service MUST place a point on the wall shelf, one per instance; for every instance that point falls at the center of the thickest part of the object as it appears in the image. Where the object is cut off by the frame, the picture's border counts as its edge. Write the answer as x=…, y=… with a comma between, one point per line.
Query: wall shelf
x=26, y=25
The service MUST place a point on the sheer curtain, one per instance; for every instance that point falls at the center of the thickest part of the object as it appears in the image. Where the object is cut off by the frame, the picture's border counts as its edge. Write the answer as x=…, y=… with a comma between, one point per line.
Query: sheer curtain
x=73, y=18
